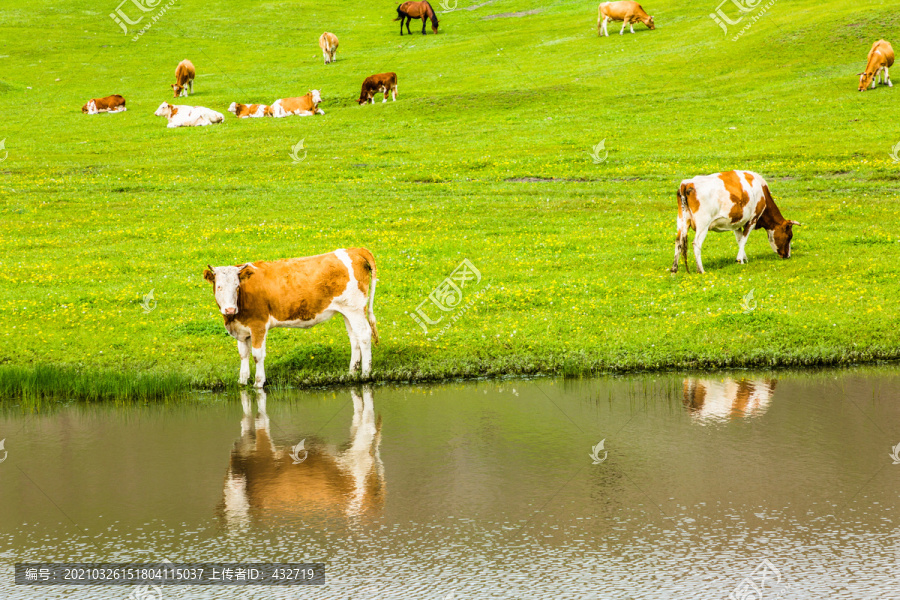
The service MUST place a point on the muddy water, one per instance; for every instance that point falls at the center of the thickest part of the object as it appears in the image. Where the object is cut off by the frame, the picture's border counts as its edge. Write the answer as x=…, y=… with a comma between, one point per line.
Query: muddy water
x=478, y=490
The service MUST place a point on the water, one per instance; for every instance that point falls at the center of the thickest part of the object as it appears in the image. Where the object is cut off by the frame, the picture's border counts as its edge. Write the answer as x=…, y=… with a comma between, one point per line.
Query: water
x=477, y=490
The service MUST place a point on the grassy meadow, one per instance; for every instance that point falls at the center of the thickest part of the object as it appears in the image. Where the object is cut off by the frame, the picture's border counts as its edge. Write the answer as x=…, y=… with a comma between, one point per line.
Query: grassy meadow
x=486, y=156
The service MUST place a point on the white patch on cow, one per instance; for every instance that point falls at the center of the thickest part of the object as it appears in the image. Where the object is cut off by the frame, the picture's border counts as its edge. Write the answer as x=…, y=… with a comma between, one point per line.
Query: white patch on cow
x=92, y=108
x=232, y=108
x=259, y=112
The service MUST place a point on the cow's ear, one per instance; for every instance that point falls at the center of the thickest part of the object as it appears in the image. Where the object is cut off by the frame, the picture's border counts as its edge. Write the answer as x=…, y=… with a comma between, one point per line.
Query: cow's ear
x=209, y=274
x=246, y=271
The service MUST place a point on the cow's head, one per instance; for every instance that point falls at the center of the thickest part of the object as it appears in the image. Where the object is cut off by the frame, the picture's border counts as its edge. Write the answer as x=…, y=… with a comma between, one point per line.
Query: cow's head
x=865, y=80
x=649, y=22
x=226, y=285
x=316, y=96
x=363, y=99
x=85, y=109
x=177, y=89
x=780, y=238
x=234, y=108
x=164, y=110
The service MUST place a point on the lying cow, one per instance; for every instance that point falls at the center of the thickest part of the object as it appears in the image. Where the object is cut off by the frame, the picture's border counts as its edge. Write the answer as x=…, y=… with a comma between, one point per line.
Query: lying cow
x=383, y=82
x=184, y=78
x=111, y=104
x=626, y=11
x=881, y=58
x=244, y=111
x=188, y=116
x=328, y=42
x=298, y=292
x=737, y=201
x=304, y=106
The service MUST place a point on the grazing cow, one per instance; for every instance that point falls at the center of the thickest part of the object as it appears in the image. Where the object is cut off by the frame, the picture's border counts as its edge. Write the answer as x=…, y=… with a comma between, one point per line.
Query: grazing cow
x=266, y=482
x=328, y=42
x=626, y=11
x=184, y=78
x=188, y=116
x=244, y=111
x=881, y=58
x=298, y=292
x=112, y=104
x=711, y=400
x=737, y=201
x=383, y=82
x=304, y=106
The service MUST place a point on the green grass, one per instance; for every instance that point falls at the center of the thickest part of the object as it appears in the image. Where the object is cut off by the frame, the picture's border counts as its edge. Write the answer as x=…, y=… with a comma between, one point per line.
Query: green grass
x=95, y=211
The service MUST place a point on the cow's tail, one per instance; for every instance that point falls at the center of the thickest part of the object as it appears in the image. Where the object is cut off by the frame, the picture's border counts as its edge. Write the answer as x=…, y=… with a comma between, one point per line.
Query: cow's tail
x=685, y=217
x=370, y=311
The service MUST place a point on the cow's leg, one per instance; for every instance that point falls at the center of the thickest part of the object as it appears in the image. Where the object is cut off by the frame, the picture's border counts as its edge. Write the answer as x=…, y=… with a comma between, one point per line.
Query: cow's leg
x=631, y=26
x=191, y=83
x=742, y=237
x=698, y=245
x=624, y=25
x=258, y=343
x=355, y=354
x=363, y=332
x=887, y=77
x=244, y=351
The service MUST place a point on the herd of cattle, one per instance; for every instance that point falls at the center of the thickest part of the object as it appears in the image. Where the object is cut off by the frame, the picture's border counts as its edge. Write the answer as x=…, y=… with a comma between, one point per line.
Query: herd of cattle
x=303, y=292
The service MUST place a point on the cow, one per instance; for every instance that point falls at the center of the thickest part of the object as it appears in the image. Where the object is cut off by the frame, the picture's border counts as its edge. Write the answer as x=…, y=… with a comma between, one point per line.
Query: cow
x=184, y=78
x=188, y=116
x=268, y=481
x=304, y=106
x=382, y=82
x=111, y=104
x=737, y=201
x=713, y=401
x=298, y=292
x=244, y=111
x=328, y=42
x=880, y=59
x=626, y=11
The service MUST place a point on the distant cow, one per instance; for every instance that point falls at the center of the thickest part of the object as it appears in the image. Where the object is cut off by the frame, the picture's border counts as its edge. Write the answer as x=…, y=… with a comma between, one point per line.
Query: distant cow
x=626, y=11
x=714, y=400
x=112, y=104
x=737, y=201
x=881, y=58
x=383, y=82
x=304, y=106
x=243, y=111
x=184, y=78
x=298, y=292
x=328, y=42
x=188, y=116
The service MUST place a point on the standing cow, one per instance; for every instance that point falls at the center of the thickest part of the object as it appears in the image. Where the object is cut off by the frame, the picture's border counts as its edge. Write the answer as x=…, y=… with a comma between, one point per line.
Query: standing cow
x=880, y=59
x=382, y=82
x=328, y=42
x=184, y=78
x=626, y=11
x=298, y=292
x=737, y=201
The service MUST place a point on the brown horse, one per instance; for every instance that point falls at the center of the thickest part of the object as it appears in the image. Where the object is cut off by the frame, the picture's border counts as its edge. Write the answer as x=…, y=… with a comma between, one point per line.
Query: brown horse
x=416, y=10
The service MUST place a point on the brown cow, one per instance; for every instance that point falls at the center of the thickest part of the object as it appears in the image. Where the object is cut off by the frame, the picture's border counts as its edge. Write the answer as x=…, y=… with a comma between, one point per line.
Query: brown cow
x=713, y=400
x=304, y=106
x=881, y=57
x=298, y=292
x=266, y=481
x=112, y=104
x=383, y=82
x=626, y=11
x=737, y=201
x=328, y=42
x=184, y=78
x=244, y=111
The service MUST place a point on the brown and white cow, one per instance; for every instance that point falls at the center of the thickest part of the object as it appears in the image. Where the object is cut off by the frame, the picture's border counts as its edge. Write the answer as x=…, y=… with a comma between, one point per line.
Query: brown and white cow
x=112, y=104
x=268, y=481
x=304, y=106
x=244, y=111
x=298, y=292
x=713, y=400
x=737, y=201
x=382, y=82
x=179, y=115
x=880, y=59
x=626, y=11
x=184, y=78
x=328, y=42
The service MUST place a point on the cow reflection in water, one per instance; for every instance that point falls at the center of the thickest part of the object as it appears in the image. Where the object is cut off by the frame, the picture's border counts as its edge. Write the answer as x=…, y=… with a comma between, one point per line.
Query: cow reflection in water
x=712, y=400
x=267, y=481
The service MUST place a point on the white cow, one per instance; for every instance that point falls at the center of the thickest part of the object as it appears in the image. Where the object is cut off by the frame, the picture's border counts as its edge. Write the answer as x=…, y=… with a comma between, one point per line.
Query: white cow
x=188, y=116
